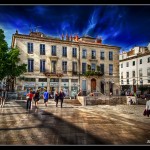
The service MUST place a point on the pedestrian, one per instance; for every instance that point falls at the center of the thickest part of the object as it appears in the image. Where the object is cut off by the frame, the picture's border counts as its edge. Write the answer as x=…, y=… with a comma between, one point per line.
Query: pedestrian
x=147, y=109
x=61, y=97
x=29, y=97
x=36, y=98
x=45, y=97
x=56, y=97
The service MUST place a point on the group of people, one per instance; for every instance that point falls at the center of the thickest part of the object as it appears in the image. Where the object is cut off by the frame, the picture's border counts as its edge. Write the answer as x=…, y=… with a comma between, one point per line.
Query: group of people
x=36, y=97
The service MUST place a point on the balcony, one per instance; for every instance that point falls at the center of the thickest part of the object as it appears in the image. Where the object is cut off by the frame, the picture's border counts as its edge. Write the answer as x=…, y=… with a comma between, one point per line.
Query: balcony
x=74, y=73
x=93, y=58
x=53, y=57
x=93, y=73
x=54, y=74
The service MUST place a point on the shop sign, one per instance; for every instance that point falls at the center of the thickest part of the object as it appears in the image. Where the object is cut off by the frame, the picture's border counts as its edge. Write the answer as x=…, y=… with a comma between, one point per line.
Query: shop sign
x=30, y=84
x=54, y=84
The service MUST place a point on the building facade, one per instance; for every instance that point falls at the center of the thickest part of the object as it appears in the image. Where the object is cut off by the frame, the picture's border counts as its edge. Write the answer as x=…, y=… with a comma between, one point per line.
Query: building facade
x=69, y=63
x=135, y=68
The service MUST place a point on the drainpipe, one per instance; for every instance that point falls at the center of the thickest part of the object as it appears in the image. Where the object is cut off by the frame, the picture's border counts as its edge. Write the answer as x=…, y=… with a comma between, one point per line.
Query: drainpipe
x=79, y=66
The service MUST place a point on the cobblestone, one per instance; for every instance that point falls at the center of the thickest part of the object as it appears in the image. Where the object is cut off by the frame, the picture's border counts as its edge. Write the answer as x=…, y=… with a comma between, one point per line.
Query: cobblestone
x=73, y=124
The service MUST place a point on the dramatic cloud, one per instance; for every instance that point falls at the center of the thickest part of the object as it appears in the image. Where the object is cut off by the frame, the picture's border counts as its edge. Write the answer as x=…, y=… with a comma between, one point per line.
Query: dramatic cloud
x=119, y=25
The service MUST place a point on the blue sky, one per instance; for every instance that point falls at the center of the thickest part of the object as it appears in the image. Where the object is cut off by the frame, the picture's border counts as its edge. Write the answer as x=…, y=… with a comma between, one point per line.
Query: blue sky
x=125, y=26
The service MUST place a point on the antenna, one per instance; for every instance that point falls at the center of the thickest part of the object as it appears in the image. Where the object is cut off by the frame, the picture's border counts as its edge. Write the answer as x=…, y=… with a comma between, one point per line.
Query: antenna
x=36, y=28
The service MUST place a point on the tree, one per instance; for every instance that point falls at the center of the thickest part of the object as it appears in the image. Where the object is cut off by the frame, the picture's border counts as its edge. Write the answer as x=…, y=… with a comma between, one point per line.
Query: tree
x=3, y=55
x=10, y=66
x=14, y=69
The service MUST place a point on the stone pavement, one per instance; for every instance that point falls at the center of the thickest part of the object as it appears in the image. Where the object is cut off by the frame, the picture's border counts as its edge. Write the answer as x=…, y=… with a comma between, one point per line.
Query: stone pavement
x=73, y=124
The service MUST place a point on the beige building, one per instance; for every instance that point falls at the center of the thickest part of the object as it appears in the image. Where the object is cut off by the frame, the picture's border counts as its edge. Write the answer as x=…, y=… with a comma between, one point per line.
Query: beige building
x=69, y=63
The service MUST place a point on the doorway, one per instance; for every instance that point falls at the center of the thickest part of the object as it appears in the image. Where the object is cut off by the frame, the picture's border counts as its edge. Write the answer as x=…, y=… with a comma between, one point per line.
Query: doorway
x=93, y=85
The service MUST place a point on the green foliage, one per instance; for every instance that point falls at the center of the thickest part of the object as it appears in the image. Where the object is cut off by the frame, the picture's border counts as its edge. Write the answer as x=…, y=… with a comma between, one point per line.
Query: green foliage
x=10, y=66
x=98, y=68
x=93, y=73
x=3, y=55
x=143, y=88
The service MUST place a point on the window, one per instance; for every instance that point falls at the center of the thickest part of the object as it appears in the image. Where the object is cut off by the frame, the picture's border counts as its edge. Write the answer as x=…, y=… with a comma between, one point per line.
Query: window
x=102, y=68
x=133, y=63
x=74, y=67
x=30, y=48
x=148, y=80
x=42, y=65
x=64, y=51
x=30, y=65
x=133, y=73
x=42, y=79
x=53, y=67
x=93, y=56
x=102, y=55
x=64, y=80
x=64, y=66
x=121, y=65
x=93, y=67
x=53, y=50
x=140, y=73
x=42, y=49
x=121, y=75
x=84, y=53
x=54, y=79
x=128, y=81
x=134, y=81
x=148, y=59
x=121, y=81
x=110, y=69
x=30, y=79
x=74, y=52
x=127, y=64
x=148, y=72
x=127, y=74
x=110, y=55
x=140, y=61
x=83, y=68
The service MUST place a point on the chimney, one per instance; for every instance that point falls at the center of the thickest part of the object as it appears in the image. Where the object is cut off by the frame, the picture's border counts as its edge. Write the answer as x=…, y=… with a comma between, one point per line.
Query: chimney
x=16, y=32
x=62, y=37
x=71, y=38
x=67, y=37
x=76, y=38
x=99, y=40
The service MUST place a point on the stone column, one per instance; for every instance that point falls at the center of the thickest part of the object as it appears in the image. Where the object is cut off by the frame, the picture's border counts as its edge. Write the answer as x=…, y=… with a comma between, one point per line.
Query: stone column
x=70, y=87
x=48, y=84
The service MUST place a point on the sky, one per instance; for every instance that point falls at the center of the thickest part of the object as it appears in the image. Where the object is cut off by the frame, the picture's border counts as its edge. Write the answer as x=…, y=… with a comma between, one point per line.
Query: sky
x=125, y=26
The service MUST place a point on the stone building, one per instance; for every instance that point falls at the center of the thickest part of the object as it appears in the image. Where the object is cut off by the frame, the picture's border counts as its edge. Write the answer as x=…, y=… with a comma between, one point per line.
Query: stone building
x=68, y=63
x=135, y=68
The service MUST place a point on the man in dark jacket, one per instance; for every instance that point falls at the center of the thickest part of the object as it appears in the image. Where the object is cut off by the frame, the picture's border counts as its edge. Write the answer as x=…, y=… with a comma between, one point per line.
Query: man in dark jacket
x=61, y=96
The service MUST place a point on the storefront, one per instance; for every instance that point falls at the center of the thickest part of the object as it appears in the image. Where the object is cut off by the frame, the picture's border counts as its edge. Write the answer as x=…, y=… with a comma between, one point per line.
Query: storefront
x=41, y=86
x=28, y=86
x=74, y=87
x=65, y=86
x=54, y=84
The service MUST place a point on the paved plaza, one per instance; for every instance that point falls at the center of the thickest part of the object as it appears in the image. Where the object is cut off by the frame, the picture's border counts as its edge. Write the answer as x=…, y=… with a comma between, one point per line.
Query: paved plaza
x=73, y=124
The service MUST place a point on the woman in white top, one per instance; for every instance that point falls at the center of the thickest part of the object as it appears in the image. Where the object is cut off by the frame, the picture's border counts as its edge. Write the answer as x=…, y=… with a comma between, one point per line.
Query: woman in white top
x=148, y=105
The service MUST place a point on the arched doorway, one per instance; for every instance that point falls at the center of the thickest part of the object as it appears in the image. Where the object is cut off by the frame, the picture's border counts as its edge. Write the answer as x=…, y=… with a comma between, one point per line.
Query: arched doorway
x=93, y=85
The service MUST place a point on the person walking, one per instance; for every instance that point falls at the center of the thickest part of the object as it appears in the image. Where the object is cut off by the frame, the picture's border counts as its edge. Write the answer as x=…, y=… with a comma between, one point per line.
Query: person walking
x=29, y=99
x=36, y=98
x=61, y=96
x=45, y=97
x=148, y=108
x=56, y=97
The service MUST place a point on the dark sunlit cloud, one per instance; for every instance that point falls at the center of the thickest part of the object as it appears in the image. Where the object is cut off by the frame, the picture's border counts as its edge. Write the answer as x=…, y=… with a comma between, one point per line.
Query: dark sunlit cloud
x=123, y=26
